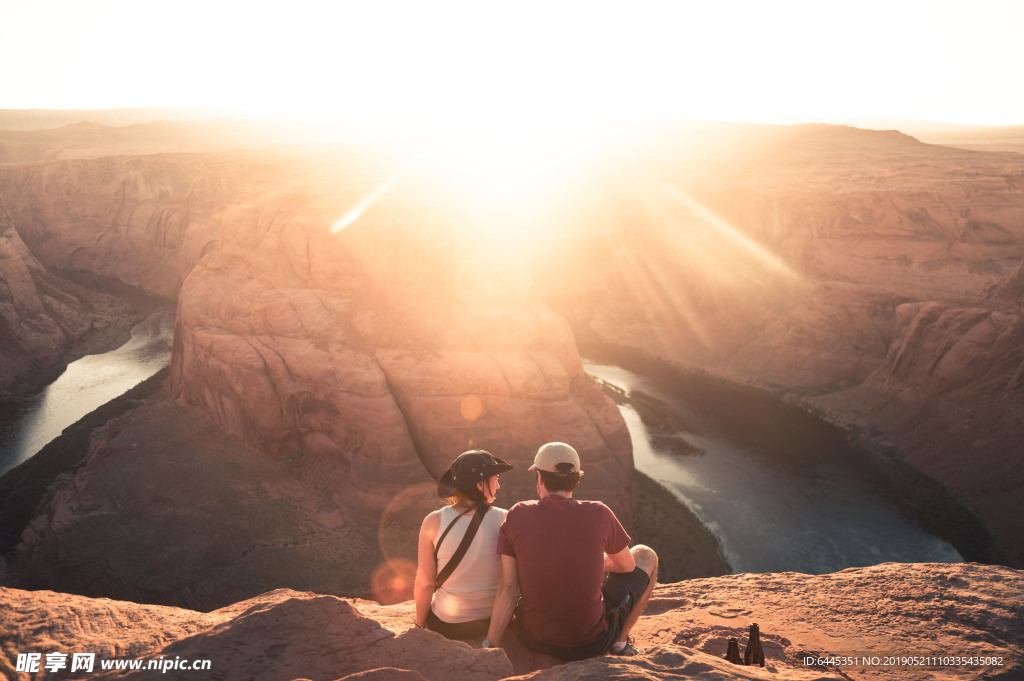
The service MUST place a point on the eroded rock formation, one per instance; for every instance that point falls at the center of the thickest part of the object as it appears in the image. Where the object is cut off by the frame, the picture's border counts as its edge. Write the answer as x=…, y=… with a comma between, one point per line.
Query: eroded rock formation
x=41, y=315
x=143, y=220
x=871, y=277
x=349, y=368
x=931, y=613
x=37, y=318
x=380, y=351
x=380, y=345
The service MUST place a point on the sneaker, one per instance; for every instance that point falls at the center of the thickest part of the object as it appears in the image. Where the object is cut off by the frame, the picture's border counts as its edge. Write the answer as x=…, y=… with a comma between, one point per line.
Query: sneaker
x=629, y=650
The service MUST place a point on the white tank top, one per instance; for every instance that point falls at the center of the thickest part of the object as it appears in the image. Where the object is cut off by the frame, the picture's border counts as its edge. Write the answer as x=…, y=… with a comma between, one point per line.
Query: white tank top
x=468, y=593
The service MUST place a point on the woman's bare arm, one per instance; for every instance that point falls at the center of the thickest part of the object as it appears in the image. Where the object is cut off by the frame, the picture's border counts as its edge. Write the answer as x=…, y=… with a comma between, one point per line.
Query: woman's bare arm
x=426, y=567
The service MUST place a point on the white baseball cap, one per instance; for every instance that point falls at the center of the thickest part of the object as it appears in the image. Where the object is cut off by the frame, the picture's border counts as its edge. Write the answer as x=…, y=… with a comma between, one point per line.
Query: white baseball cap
x=553, y=453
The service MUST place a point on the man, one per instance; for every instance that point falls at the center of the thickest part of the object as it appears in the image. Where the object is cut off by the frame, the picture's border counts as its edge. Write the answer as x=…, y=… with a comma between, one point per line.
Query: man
x=556, y=550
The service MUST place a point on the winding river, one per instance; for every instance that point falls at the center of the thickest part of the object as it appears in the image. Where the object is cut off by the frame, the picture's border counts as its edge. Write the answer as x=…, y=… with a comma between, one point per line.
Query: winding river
x=780, y=489
x=86, y=384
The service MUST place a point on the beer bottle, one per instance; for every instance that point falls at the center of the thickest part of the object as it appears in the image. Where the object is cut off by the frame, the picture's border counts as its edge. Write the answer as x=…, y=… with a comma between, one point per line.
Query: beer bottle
x=733, y=653
x=754, y=655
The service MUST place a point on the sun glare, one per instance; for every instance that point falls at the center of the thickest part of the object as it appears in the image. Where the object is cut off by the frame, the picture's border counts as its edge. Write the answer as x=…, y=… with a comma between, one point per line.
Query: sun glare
x=507, y=176
x=521, y=188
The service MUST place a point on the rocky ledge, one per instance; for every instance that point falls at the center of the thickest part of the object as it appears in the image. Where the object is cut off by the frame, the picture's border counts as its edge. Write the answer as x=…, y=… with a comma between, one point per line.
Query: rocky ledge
x=869, y=615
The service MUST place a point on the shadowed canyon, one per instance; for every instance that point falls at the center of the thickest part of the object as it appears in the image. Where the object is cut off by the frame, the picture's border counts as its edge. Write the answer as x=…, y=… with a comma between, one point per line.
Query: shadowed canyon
x=348, y=321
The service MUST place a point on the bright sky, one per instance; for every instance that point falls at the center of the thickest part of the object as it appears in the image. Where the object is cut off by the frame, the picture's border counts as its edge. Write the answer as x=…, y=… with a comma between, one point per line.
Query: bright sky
x=763, y=60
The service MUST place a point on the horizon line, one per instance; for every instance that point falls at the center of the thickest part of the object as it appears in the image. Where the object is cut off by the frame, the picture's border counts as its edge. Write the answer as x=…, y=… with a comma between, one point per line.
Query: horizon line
x=293, y=116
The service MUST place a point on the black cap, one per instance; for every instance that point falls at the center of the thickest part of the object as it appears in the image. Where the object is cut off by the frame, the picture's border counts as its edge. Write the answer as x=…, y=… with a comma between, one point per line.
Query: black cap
x=469, y=468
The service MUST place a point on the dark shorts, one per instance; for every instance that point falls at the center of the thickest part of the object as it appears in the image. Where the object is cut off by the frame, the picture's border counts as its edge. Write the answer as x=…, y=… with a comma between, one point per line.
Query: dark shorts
x=621, y=591
x=458, y=630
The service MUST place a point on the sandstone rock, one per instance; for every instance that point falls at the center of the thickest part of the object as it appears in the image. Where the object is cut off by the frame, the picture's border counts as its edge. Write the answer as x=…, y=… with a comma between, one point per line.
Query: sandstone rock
x=870, y=277
x=351, y=367
x=143, y=220
x=940, y=348
x=46, y=621
x=384, y=349
x=672, y=662
x=950, y=389
x=1012, y=287
x=911, y=610
x=894, y=610
x=40, y=315
x=326, y=637
x=363, y=360
x=166, y=510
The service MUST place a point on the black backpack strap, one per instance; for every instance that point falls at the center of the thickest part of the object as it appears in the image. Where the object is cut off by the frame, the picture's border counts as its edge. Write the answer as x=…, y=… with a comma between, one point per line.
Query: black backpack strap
x=437, y=546
x=456, y=558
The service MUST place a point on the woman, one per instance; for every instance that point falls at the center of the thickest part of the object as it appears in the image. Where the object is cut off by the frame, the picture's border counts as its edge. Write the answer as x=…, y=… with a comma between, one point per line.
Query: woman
x=457, y=602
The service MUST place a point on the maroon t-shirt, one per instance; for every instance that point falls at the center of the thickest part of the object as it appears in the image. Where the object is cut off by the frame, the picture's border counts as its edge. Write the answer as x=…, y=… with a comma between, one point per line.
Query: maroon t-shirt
x=559, y=545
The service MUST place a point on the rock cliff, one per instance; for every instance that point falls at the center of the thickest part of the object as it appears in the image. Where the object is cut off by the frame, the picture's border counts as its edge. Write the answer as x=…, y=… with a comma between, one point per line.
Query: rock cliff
x=347, y=368
x=143, y=220
x=892, y=621
x=41, y=316
x=380, y=351
x=384, y=344
x=37, y=318
x=870, y=277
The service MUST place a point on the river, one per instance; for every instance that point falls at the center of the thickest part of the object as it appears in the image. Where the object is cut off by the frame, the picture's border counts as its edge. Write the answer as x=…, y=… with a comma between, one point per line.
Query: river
x=780, y=489
x=27, y=426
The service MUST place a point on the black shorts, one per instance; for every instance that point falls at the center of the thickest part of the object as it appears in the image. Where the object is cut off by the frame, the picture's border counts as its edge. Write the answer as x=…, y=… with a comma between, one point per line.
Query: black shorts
x=458, y=630
x=621, y=592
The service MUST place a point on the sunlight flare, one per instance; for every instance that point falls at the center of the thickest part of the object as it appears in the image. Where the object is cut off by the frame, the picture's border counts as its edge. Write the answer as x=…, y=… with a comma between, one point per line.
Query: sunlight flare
x=509, y=175
x=764, y=257
x=662, y=299
x=681, y=263
x=370, y=199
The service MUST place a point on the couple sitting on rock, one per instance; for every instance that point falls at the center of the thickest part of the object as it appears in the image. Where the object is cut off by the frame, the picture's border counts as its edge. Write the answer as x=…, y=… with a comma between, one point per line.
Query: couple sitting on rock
x=475, y=561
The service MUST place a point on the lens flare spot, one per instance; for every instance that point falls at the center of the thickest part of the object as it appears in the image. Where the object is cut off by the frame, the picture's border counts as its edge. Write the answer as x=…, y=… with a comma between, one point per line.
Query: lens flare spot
x=393, y=581
x=471, y=407
x=400, y=522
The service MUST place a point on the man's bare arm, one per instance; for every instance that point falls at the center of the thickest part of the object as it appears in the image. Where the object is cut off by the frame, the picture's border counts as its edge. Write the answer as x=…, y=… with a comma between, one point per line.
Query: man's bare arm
x=620, y=562
x=504, y=600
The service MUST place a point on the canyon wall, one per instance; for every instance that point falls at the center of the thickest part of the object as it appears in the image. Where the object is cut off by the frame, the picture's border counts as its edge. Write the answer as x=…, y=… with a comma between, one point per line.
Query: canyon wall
x=391, y=344
x=321, y=379
x=143, y=220
x=39, y=314
x=350, y=347
x=870, y=277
